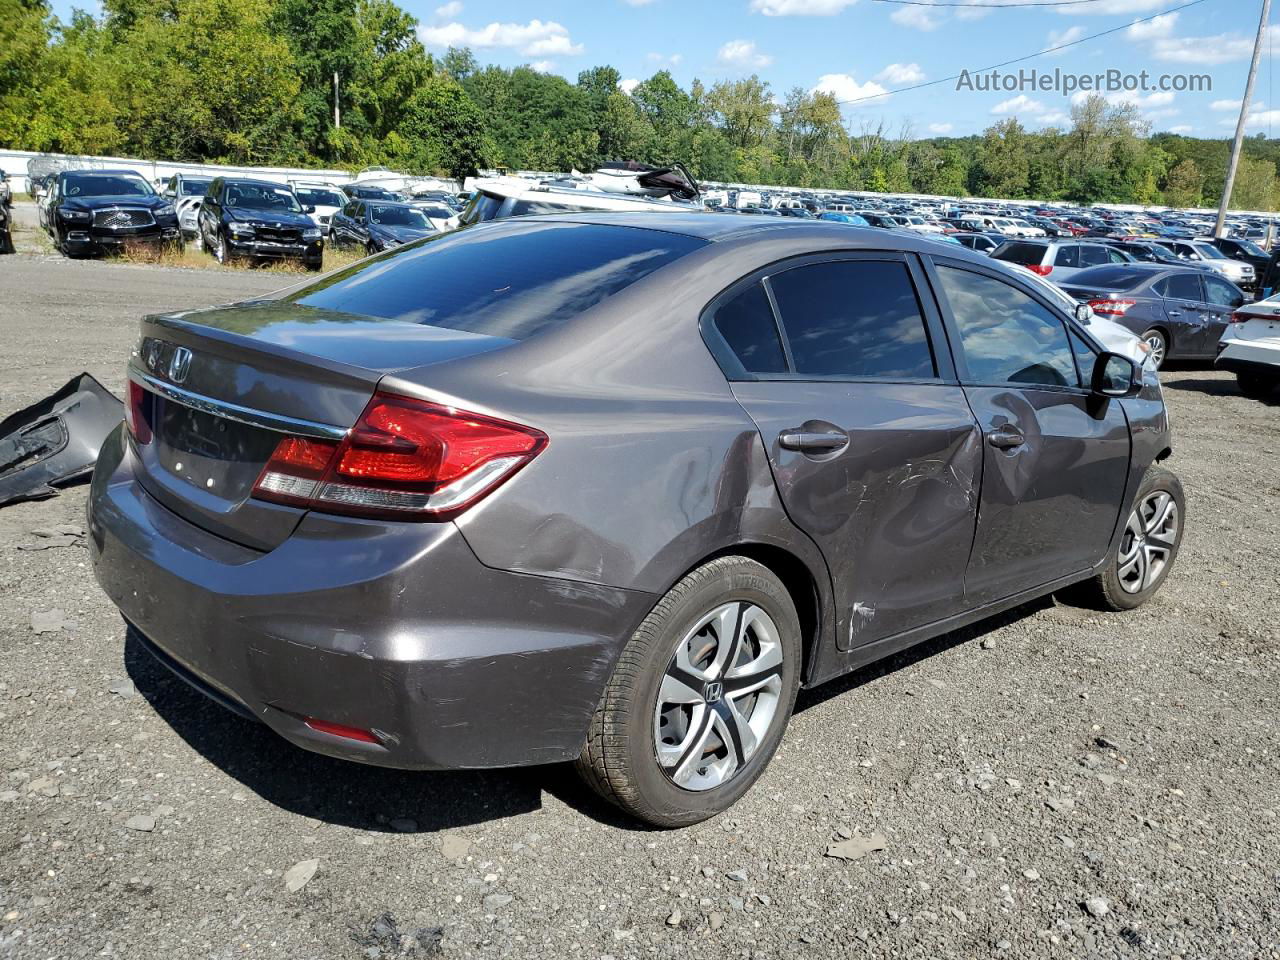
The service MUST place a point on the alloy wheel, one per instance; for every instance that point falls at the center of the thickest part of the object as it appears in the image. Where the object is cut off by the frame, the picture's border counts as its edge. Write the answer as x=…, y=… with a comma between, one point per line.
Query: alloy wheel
x=1148, y=542
x=719, y=696
x=1155, y=340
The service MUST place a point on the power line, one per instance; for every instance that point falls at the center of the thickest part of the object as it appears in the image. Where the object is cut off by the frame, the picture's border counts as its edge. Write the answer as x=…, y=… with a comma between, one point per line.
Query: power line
x=1030, y=56
x=990, y=6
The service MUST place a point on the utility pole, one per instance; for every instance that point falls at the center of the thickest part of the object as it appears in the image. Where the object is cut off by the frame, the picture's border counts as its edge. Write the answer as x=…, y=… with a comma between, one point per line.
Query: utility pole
x=337, y=113
x=1244, y=113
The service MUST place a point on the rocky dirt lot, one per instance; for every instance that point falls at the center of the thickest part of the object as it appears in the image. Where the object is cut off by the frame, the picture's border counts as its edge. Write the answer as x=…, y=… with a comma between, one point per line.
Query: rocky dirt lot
x=1058, y=783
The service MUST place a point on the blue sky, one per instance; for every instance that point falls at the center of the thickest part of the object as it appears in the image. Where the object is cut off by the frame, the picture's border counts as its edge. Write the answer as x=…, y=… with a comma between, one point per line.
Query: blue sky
x=859, y=48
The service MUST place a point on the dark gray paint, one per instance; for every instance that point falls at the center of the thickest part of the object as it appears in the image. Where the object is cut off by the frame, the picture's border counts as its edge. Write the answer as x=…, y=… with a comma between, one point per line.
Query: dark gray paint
x=486, y=641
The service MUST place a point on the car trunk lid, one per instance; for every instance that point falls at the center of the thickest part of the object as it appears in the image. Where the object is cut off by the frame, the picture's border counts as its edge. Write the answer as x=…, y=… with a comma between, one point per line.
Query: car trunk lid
x=223, y=386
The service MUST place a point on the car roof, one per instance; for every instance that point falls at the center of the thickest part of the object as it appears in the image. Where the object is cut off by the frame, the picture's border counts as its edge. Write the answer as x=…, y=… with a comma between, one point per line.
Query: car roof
x=105, y=173
x=254, y=181
x=824, y=234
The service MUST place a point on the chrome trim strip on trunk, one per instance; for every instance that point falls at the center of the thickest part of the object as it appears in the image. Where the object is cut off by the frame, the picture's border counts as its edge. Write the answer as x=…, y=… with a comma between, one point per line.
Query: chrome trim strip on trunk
x=233, y=411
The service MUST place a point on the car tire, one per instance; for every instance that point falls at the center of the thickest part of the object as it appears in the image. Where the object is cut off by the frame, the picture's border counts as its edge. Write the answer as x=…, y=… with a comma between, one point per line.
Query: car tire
x=1256, y=386
x=714, y=743
x=219, y=249
x=1151, y=536
x=1159, y=344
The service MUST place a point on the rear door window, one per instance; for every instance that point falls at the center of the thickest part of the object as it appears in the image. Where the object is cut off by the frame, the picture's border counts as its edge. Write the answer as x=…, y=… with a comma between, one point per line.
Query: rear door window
x=1006, y=335
x=854, y=318
x=747, y=324
x=1181, y=286
x=512, y=279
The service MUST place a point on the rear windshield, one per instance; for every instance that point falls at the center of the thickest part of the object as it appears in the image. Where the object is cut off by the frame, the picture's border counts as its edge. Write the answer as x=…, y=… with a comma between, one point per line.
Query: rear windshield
x=1023, y=253
x=510, y=280
x=1110, y=277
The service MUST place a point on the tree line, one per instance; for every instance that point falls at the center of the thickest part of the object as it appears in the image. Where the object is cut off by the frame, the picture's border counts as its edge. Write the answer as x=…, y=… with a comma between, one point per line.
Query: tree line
x=251, y=82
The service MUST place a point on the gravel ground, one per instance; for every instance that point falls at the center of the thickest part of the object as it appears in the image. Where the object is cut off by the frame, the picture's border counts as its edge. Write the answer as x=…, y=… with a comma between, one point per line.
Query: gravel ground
x=1057, y=783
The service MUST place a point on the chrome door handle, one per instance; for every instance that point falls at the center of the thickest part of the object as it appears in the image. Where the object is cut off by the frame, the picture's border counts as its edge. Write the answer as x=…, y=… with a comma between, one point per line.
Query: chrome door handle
x=1006, y=438
x=811, y=440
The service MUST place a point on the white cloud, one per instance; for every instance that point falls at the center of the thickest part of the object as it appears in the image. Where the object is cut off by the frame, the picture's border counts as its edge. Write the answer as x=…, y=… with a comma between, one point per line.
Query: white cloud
x=543, y=66
x=941, y=128
x=1203, y=51
x=1181, y=128
x=629, y=84
x=637, y=3
x=1225, y=105
x=1019, y=104
x=845, y=88
x=451, y=9
x=900, y=74
x=1052, y=118
x=1260, y=118
x=534, y=39
x=1158, y=35
x=743, y=53
x=1059, y=37
x=916, y=18
x=672, y=61
x=1151, y=29
x=800, y=8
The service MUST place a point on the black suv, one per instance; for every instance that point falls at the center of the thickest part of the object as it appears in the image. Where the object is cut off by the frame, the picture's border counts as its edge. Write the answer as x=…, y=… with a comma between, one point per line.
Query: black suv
x=258, y=220
x=104, y=211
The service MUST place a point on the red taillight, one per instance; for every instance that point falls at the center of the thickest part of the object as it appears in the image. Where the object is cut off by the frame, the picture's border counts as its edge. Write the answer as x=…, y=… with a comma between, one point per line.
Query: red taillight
x=1239, y=317
x=341, y=730
x=1111, y=308
x=1042, y=269
x=137, y=413
x=404, y=458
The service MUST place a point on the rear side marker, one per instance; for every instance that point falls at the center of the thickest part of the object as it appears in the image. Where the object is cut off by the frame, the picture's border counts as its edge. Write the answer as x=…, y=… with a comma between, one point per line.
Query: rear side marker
x=341, y=730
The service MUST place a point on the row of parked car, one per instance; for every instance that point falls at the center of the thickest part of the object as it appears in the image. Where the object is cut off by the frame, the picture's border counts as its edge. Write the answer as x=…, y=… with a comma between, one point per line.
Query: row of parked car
x=91, y=212
x=1182, y=296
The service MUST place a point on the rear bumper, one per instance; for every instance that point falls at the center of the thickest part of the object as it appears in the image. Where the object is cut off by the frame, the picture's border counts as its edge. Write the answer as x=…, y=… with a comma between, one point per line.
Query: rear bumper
x=393, y=628
x=1246, y=356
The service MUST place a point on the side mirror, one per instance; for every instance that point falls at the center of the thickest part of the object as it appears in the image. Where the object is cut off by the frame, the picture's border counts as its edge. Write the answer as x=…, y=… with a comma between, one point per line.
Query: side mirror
x=309, y=209
x=1084, y=313
x=1115, y=375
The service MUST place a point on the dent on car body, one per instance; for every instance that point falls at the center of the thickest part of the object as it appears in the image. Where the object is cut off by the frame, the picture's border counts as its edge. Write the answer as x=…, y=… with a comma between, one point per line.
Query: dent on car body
x=55, y=441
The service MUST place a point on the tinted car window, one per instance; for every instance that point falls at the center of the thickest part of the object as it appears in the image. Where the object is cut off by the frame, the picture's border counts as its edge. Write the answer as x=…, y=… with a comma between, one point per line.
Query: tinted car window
x=1110, y=278
x=1007, y=336
x=1220, y=293
x=1181, y=286
x=747, y=325
x=1093, y=256
x=853, y=318
x=1023, y=253
x=509, y=280
x=1067, y=257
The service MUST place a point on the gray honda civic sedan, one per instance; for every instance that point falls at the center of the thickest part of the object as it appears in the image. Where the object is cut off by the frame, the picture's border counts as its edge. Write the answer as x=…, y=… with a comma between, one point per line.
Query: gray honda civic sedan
x=611, y=488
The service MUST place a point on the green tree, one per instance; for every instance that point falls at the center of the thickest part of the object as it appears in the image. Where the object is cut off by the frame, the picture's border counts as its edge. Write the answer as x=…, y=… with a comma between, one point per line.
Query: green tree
x=1185, y=186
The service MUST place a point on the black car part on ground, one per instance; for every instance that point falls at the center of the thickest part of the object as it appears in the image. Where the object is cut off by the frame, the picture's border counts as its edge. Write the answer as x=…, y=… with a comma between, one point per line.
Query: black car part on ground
x=55, y=441
x=6, y=235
